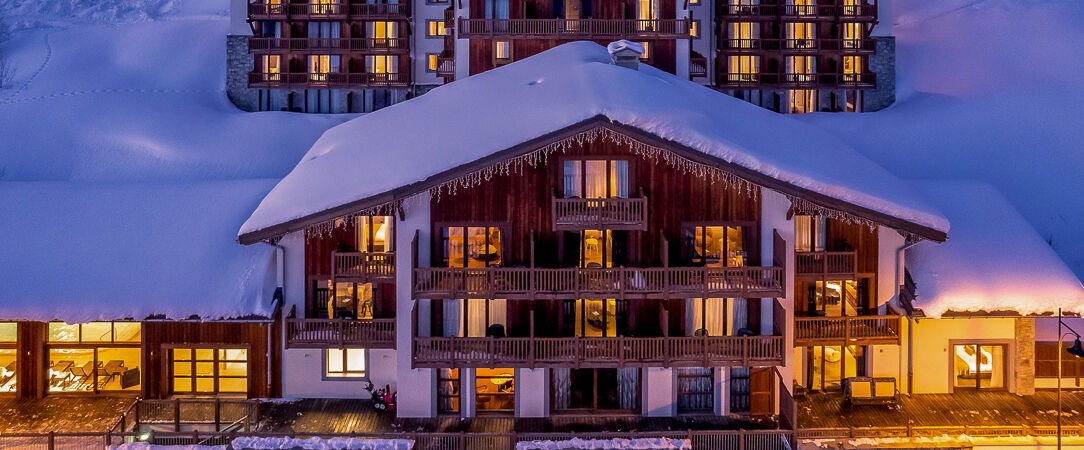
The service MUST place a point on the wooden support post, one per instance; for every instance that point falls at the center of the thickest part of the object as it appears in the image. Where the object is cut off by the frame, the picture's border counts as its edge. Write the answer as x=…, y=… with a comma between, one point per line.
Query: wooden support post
x=176, y=415
x=218, y=414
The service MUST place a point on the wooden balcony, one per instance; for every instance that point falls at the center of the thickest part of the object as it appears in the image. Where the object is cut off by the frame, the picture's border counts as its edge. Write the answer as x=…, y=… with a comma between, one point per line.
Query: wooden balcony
x=339, y=333
x=576, y=214
x=797, y=46
x=363, y=267
x=283, y=10
x=446, y=67
x=698, y=67
x=681, y=351
x=574, y=28
x=327, y=80
x=762, y=13
x=826, y=264
x=328, y=45
x=862, y=330
x=774, y=80
x=521, y=283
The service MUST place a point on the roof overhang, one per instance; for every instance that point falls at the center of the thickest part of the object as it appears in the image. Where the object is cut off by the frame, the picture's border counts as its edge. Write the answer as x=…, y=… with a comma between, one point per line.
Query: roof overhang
x=438, y=179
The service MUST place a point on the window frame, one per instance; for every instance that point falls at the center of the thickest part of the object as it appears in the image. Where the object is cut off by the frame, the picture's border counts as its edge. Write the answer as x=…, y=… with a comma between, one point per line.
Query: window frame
x=497, y=60
x=436, y=62
x=442, y=237
x=216, y=392
x=347, y=374
x=442, y=25
x=458, y=383
x=515, y=387
x=689, y=253
x=582, y=159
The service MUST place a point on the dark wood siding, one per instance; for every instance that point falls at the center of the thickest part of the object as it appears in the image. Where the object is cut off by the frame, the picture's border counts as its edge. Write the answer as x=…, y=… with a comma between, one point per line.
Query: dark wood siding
x=851, y=236
x=158, y=335
x=33, y=366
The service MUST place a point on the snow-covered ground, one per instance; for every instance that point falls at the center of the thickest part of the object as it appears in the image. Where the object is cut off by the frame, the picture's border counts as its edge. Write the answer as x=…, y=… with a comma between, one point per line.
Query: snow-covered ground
x=988, y=90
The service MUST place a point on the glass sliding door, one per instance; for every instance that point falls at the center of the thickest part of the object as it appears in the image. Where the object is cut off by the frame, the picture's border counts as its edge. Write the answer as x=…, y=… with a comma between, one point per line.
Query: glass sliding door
x=977, y=366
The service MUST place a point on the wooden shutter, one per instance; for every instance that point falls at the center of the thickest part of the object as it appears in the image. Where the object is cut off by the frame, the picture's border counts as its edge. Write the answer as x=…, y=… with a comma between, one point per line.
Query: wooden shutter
x=761, y=392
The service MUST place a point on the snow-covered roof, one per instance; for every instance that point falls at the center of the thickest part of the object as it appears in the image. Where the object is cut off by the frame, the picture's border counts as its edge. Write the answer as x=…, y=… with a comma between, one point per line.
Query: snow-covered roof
x=993, y=261
x=473, y=118
x=79, y=251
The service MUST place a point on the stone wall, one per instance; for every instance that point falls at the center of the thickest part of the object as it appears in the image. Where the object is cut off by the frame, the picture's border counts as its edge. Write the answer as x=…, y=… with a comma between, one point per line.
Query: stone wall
x=883, y=63
x=238, y=64
x=1024, y=366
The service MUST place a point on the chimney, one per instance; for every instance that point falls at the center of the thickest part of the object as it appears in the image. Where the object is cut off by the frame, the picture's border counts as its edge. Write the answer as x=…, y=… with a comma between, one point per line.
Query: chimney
x=626, y=53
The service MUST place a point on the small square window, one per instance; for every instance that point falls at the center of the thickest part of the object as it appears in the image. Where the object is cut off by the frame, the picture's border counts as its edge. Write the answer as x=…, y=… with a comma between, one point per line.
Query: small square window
x=345, y=363
x=694, y=2
x=503, y=50
x=435, y=28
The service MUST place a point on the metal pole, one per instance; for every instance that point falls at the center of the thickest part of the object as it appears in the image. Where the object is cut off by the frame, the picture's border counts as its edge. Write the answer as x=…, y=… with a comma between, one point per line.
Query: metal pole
x=1059, y=378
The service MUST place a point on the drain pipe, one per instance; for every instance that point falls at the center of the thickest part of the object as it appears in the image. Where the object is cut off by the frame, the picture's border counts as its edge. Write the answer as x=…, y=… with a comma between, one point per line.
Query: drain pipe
x=280, y=283
x=910, y=327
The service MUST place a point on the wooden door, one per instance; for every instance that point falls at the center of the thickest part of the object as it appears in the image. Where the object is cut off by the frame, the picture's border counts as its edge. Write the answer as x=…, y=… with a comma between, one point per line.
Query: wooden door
x=761, y=392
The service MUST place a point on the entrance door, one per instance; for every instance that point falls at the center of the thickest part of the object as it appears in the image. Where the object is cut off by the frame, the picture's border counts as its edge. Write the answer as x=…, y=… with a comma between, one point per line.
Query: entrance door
x=978, y=366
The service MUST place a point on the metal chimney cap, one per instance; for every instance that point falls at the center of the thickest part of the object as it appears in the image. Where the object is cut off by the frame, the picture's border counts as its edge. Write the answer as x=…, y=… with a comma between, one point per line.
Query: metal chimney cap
x=626, y=53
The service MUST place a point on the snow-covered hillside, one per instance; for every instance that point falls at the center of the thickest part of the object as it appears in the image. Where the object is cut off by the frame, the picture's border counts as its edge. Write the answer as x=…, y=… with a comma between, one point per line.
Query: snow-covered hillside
x=120, y=151
x=988, y=90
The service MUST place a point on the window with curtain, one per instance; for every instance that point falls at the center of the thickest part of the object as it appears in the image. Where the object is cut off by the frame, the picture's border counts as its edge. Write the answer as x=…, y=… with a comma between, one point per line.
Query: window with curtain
x=810, y=233
x=801, y=35
x=375, y=233
x=695, y=389
x=596, y=178
x=852, y=68
x=496, y=9
x=323, y=7
x=448, y=390
x=272, y=65
x=495, y=390
x=435, y=28
x=321, y=65
x=321, y=29
x=717, y=245
x=475, y=317
x=383, y=33
x=595, y=389
x=382, y=64
x=472, y=246
x=709, y=315
x=502, y=50
x=743, y=68
x=743, y=34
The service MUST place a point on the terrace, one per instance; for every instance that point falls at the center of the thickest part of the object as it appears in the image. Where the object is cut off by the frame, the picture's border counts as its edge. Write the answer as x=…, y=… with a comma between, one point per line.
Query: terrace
x=574, y=28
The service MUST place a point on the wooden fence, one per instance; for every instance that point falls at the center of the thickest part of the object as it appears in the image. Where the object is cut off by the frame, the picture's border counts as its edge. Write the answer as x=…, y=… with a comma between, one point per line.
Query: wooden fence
x=322, y=333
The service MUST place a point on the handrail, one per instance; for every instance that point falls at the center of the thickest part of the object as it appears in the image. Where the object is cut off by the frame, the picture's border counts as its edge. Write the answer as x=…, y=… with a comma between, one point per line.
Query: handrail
x=814, y=12
x=574, y=28
x=847, y=328
x=797, y=45
x=365, y=265
x=575, y=214
x=579, y=282
x=326, y=79
x=862, y=80
x=824, y=262
x=325, y=44
x=285, y=10
x=322, y=333
x=667, y=351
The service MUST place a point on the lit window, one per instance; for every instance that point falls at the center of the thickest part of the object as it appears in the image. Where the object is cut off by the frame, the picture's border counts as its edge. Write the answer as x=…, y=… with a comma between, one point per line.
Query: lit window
x=431, y=62
x=495, y=389
x=448, y=390
x=472, y=246
x=345, y=363
x=382, y=30
x=647, y=50
x=95, y=332
x=9, y=335
x=717, y=246
x=436, y=28
x=596, y=178
x=743, y=68
x=810, y=233
x=503, y=50
x=375, y=233
x=209, y=370
x=9, y=332
x=382, y=63
x=693, y=29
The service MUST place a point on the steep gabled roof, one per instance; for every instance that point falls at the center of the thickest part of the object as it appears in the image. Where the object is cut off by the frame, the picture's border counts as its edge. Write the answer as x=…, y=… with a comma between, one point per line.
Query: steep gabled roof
x=994, y=263
x=402, y=149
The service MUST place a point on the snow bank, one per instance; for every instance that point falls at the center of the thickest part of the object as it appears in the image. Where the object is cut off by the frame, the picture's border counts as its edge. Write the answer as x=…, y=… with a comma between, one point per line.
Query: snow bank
x=22, y=14
x=321, y=444
x=993, y=261
x=146, y=446
x=577, y=443
x=478, y=116
x=78, y=252
x=988, y=90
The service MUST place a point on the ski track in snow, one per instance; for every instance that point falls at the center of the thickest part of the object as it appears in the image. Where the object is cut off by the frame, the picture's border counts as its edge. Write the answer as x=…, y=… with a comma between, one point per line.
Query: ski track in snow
x=45, y=62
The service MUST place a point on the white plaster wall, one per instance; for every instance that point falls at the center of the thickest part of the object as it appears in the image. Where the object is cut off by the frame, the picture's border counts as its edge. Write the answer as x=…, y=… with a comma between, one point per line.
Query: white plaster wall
x=303, y=371
x=704, y=12
x=931, y=355
x=658, y=392
x=720, y=377
x=885, y=19
x=773, y=218
x=532, y=393
x=421, y=44
x=889, y=268
x=417, y=387
x=681, y=59
x=462, y=46
x=239, y=18
x=294, y=269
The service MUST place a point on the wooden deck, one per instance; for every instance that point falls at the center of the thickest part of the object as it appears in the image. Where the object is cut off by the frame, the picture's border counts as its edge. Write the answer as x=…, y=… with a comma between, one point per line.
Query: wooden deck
x=67, y=414
x=349, y=416
x=959, y=409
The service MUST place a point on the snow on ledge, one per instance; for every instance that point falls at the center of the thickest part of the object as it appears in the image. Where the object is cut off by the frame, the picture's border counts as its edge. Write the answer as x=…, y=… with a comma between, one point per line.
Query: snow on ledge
x=264, y=443
x=577, y=443
x=993, y=261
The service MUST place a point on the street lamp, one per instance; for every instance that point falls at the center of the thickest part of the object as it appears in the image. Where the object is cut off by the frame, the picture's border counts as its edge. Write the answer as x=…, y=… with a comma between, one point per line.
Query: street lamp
x=1076, y=350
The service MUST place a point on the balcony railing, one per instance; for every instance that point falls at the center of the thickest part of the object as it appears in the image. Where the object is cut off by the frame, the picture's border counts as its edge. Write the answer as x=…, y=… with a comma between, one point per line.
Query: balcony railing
x=446, y=66
x=574, y=28
x=283, y=10
x=673, y=351
x=860, y=329
x=698, y=66
x=327, y=80
x=363, y=266
x=797, y=46
x=826, y=263
x=327, y=333
x=860, y=13
x=575, y=214
x=620, y=282
x=766, y=80
x=328, y=45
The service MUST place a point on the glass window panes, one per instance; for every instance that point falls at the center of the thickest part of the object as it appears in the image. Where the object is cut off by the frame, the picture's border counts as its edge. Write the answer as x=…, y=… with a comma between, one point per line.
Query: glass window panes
x=495, y=390
x=9, y=331
x=209, y=370
x=436, y=28
x=596, y=178
x=375, y=233
x=93, y=332
x=502, y=49
x=8, y=357
x=345, y=363
x=472, y=246
x=448, y=390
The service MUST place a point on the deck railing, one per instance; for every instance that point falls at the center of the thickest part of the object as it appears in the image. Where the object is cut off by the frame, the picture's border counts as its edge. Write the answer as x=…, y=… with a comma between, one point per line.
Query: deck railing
x=326, y=79
x=885, y=329
x=446, y=66
x=791, y=46
x=364, y=266
x=328, y=45
x=325, y=333
x=934, y=431
x=865, y=80
x=698, y=66
x=615, y=213
x=264, y=10
x=574, y=28
x=670, y=351
x=821, y=263
x=699, y=439
x=803, y=12
x=618, y=282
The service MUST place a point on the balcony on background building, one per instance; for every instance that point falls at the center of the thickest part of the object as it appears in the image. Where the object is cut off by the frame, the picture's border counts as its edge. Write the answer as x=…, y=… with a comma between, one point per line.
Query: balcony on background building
x=853, y=330
x=339, y=333
x=574, y=28
x=283, y=10
x=613, y=213
x=305, y=46
x=826, y=264
x=327, y=80
x=787, y=13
